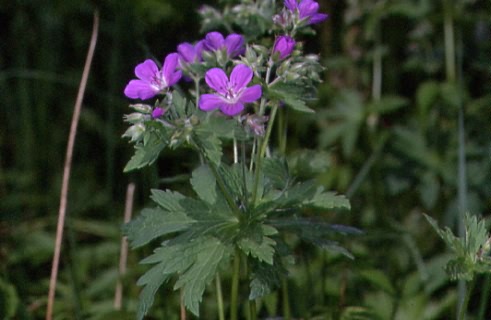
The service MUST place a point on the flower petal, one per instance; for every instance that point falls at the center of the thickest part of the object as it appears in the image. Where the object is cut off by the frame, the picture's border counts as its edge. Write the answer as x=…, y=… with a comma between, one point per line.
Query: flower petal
x=186, y=52
x=318, y=17
x=291, y=4
x=307, y=8
x=234, y=44
x=139, y=89
x=240, y=77
x=169, y=68
x=214, y=41
x=146, y=70
x=208, y=102
x=217, y=80
x=251, y=94
x=232, y=109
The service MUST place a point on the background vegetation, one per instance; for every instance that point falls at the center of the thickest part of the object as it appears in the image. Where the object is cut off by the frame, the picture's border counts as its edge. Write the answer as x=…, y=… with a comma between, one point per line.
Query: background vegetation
x=387, y=120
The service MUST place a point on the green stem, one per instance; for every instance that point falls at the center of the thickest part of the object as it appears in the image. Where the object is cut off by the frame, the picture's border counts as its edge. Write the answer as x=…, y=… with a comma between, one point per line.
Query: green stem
x=286, y=300
x=252, y=310
x=484, y=297
x=261, y=152
x=463, y=307
x=221, y=312
x=196, y=88
x=223, y=189
x=234, y=307
x=282, y=132
x=448, y=27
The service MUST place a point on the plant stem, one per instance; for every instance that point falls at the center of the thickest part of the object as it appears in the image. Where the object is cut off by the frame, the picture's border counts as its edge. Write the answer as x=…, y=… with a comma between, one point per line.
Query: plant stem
x=221, y=311
x=67, y=168
x=261, y=152
x=252, y=310
x=463, y=307
x=286, y=300
x=234, y=307
x=484, y=297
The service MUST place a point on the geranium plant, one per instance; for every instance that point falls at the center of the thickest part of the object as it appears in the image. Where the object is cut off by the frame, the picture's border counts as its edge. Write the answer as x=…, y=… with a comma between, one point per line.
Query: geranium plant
x=223, y=93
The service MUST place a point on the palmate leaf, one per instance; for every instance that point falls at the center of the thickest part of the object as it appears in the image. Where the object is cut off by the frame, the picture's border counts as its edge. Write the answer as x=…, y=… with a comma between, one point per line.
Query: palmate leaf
x=153, y=223
x=147, y=152
x=204, y=184
x=289, y=94
x=264, y=278
x=327, y=200
x=195, y=262
x=263, y=250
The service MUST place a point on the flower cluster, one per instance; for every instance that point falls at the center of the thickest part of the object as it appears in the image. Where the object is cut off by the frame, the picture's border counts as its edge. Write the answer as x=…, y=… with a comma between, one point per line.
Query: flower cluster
x=219, y=61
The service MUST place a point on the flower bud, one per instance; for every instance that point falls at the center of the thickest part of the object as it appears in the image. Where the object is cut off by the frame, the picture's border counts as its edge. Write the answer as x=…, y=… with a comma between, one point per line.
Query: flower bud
x=135, y=117
x=158, y=112
x=143, y=108
x=135, y=132
x=283, y=47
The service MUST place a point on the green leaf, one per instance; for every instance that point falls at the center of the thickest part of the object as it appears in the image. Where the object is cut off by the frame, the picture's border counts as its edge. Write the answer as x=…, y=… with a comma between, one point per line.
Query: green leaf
x=263, y=251
x=264, y=278
x=147, y=152
x=196, y=264
x=387, y=104
x=204, y=184
x=209, y=144
x=194, y=280
x=169, y=200
x=327, y=200
x=153, y=223
x=289, y=94
x=276, y=171
x=379, y=279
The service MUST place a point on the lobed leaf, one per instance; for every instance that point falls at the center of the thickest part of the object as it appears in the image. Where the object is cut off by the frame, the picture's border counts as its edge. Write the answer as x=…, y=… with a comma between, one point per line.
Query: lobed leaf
x=204, y=184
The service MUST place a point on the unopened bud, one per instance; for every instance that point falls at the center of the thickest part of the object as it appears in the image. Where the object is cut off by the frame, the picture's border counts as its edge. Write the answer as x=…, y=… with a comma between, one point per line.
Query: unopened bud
x=135, y=132
x=143, y=108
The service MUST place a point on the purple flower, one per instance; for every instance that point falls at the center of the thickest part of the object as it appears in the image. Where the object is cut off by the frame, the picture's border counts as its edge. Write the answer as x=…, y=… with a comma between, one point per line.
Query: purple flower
x=151, y=81
x=234, y=43
x=231, y=95
x=158, y=112
x=307, y=10
x=283, y=46
x=189, y=53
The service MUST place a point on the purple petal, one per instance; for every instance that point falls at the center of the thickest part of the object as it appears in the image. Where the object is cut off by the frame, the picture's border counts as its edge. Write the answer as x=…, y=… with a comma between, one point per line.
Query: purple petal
x=232, y=109
x=307, y=8
x=158, y=112
x=214, y=41
x=291, y=4
x=139, y=89
x=169, y=69
x=208, y=102
x=318, y=17
x=217, y=80
x=146, y=70
x=240, y=77
x=186, y=52
x=235, y=44
x=251, y=94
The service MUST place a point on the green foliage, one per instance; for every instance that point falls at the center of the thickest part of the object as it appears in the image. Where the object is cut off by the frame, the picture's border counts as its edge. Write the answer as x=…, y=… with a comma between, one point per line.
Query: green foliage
x=470, y=253
x=202, y=233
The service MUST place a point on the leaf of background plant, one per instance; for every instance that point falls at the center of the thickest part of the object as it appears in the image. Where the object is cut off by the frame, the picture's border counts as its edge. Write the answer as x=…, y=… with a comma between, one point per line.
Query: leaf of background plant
x=387, y=104
x=204, y=184
x=344, y=121
x=378, y=279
